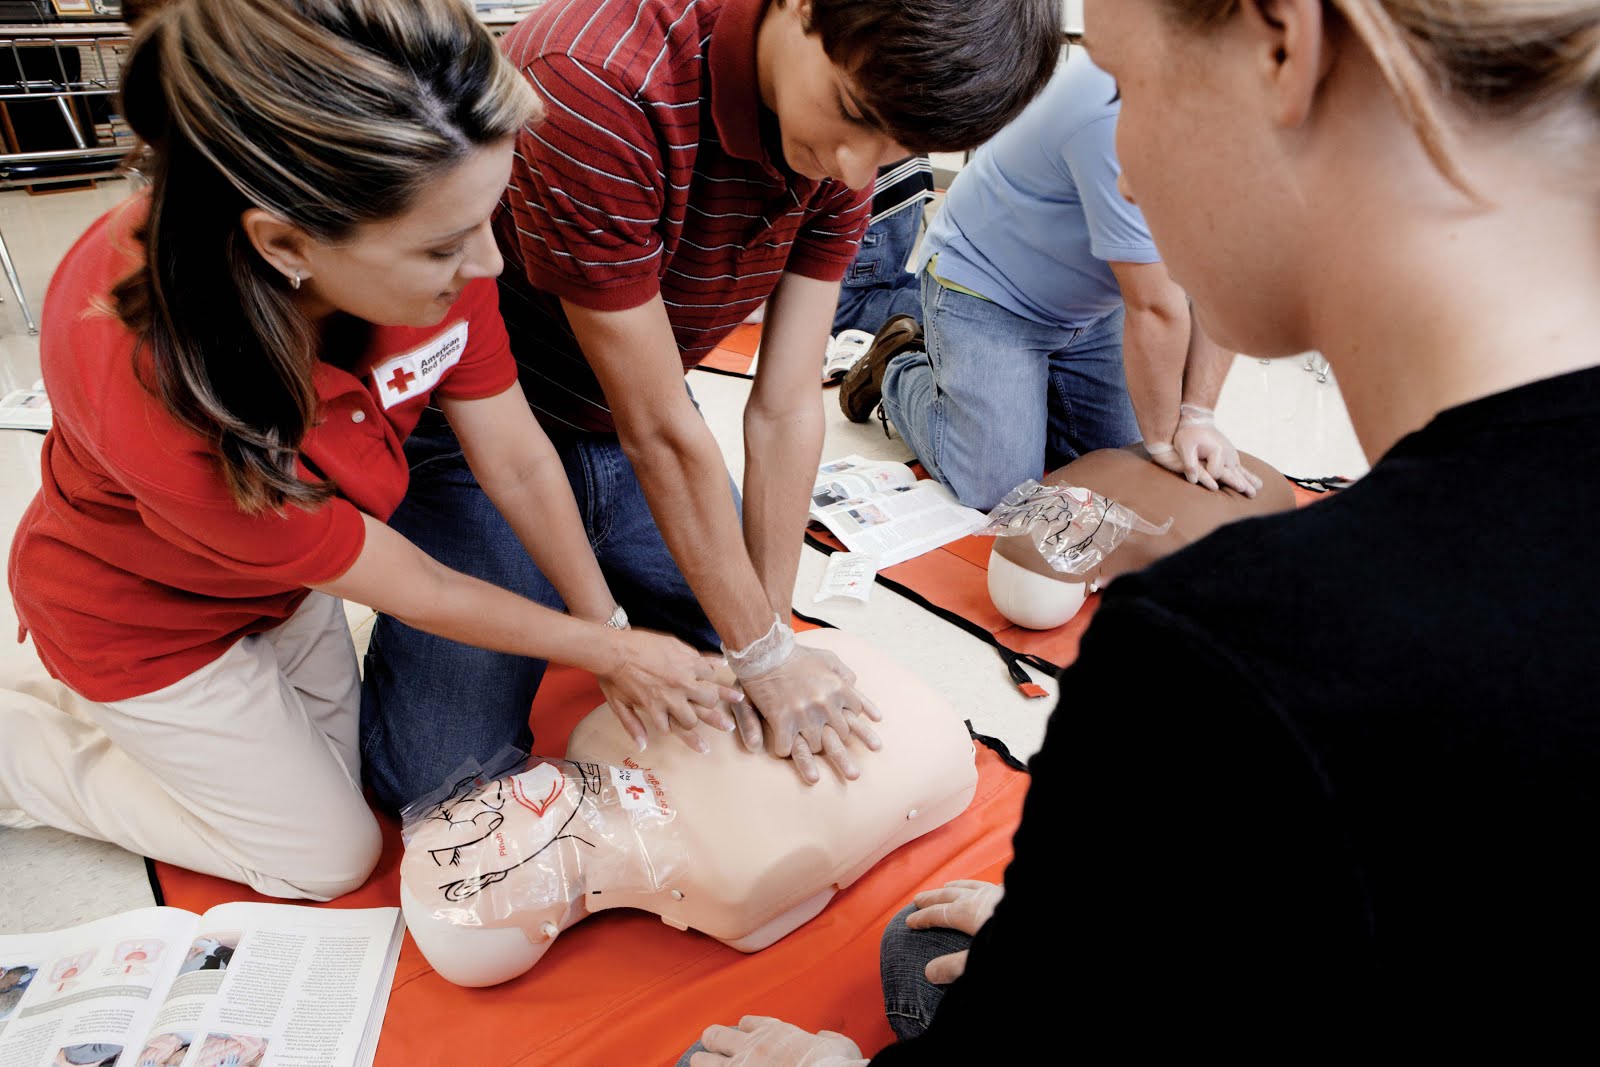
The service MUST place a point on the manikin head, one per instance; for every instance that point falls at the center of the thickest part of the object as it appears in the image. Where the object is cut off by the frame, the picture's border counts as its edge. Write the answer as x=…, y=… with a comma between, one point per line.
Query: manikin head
x=1030, y=593
x=524, y=852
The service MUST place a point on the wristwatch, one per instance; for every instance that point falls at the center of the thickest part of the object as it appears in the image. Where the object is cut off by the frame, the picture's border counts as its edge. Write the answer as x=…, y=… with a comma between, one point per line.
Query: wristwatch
x=619, y=619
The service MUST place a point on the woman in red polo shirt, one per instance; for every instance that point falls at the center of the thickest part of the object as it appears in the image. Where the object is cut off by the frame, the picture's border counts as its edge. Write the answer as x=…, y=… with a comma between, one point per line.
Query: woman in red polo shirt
x=234, y=358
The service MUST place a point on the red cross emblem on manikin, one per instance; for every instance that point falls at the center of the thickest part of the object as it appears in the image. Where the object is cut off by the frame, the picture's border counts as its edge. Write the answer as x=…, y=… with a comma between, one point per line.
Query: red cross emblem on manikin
x=401, y=382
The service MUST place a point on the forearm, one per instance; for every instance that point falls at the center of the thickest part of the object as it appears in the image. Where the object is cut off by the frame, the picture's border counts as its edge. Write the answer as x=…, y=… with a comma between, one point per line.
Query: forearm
x=677, y=461
x=782, y=450
x=783, y=431
x=395, y=577
x=1155, y=345
x=474, y=612
x=685, y=483
x=541, y=509
x=1206, y=368
x=520, y=471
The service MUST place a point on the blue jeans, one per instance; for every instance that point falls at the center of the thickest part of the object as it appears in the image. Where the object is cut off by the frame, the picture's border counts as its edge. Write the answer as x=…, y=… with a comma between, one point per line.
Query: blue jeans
x=427, y=703
x=909, y=999
x=877, y=287
x=997, y=399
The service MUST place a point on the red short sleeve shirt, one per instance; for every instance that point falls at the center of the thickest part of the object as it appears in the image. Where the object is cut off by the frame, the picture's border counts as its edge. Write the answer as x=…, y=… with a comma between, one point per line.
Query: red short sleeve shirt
x=656, y=172
x=133, y=567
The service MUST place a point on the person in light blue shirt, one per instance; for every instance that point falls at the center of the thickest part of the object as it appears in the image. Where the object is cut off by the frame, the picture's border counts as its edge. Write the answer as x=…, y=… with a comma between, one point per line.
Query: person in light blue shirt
x=1051, y=326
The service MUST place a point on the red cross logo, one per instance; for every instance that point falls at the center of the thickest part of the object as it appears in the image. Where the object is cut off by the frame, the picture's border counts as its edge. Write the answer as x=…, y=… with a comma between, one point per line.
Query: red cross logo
x=402, y=380
x=635, y=792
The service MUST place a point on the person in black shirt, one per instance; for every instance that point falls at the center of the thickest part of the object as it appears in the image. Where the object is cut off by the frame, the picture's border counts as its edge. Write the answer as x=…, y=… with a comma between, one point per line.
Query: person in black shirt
x=1330, y=778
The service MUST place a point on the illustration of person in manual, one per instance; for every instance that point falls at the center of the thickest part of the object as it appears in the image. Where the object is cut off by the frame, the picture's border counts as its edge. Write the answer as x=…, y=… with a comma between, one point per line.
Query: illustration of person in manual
x=135, y=957
x=70, y=968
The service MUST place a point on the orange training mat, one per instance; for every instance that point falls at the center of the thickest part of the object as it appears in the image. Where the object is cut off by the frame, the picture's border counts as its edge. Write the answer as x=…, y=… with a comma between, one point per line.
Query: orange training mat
x=954, y=581
x=737, y=351
x=621, y=987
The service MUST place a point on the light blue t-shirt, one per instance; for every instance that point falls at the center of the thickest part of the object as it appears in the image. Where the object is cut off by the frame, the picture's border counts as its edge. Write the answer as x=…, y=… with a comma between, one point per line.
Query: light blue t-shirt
x=1033, y=220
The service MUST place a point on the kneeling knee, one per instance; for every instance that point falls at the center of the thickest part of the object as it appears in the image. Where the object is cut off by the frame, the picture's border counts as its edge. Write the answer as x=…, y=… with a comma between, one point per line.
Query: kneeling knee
x=338, y=864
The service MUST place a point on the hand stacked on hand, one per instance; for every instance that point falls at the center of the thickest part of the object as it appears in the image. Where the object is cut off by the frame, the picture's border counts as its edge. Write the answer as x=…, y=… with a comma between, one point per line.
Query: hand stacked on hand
x=660, y=679
x=1200, y=452
x=805, y=698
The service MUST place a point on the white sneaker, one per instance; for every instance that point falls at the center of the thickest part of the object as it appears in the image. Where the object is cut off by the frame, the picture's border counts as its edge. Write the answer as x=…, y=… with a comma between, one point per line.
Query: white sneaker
x=842, y=353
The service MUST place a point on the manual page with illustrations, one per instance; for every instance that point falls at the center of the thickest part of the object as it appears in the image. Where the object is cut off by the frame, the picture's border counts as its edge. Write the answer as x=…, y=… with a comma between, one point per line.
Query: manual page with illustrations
x=880, y=509
x=25, y=409
x=244, y=985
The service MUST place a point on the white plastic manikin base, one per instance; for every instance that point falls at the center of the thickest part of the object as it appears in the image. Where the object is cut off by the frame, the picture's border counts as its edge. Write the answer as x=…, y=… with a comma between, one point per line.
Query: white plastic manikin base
x=1033, y=601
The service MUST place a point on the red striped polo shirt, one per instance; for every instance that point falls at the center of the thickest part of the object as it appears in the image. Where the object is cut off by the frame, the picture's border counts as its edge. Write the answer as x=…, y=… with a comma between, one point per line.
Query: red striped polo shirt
x=651, y=176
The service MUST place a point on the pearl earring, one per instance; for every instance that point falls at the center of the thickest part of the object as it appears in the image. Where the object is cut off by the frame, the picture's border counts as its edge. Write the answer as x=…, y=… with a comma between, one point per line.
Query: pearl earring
x=294, y=280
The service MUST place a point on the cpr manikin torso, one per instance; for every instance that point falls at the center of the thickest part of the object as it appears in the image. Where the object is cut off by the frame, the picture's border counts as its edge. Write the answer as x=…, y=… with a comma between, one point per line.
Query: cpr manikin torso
x=730, y=843
x=1028, y=592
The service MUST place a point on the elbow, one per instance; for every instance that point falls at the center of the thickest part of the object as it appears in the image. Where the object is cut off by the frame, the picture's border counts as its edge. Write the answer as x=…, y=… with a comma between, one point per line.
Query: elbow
x=526, y=472
x=1165, y=312
x=423, y=594
x=653, y=444
x=786, y=421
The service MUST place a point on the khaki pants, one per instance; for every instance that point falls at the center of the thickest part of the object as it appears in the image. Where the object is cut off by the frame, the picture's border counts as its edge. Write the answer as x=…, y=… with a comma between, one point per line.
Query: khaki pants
x=247, y=769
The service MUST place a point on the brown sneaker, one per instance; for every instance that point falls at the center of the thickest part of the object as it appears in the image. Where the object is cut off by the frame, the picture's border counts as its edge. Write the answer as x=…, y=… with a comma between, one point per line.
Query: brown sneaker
x=862, y=387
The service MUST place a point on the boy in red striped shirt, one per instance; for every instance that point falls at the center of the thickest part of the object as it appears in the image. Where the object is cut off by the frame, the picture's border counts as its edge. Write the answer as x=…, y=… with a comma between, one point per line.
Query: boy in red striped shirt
x=698, y=158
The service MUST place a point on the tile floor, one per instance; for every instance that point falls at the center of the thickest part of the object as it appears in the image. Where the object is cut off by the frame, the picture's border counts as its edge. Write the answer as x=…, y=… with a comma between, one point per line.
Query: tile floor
x=48, y=879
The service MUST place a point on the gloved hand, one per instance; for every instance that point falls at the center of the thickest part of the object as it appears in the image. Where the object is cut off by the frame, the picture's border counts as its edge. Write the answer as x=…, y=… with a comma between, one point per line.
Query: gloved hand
x=1201, y=453
x=759, y=1041
x=963, y=905
x=806, y=699
x=661, y=679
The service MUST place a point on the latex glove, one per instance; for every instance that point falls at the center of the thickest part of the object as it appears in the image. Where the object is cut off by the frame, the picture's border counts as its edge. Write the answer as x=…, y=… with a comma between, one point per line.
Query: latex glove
x=1203, y=454
x=963, y=905
x=759, y=1041
x=661, y=680
x=810, y=707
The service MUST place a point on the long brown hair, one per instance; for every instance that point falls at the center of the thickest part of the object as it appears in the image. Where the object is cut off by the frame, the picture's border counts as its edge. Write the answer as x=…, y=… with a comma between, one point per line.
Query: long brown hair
x=328, y=113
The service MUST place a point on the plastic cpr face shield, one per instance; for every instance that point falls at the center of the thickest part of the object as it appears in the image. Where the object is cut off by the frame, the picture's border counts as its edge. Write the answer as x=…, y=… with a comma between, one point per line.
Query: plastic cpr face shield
x=523, y=849
x=1074, y=530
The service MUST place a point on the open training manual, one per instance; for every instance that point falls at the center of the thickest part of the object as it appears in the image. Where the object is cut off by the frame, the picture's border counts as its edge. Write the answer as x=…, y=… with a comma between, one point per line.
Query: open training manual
x=879, y=508
x=25, y=409
x=244, y=985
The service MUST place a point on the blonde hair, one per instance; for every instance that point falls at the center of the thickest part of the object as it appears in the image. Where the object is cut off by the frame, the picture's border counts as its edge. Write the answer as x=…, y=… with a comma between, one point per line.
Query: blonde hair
x=1499, y=58
x=328, y=113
